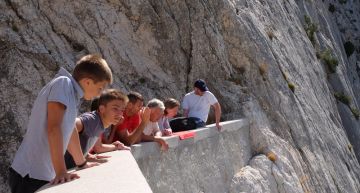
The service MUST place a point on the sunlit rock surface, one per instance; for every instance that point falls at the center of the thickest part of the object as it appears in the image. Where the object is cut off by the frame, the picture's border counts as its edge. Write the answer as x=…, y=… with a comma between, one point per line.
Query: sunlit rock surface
x=264, y=60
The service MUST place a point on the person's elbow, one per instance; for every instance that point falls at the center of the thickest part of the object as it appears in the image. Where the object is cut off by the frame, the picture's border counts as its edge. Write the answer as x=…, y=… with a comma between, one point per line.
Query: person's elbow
x=97, y=149
x=135, y=140
x=217, y=106
x=186, y=112
x=128, y=141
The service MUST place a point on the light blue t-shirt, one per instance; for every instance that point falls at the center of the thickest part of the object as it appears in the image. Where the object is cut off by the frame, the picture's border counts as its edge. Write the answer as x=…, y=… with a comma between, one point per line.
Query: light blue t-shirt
x=163, y=124
x=33, y=156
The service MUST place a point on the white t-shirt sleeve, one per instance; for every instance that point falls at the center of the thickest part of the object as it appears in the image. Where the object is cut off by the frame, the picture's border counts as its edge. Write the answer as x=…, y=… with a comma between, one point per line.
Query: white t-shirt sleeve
x=155, y=128
x=211, y=98
x=151, y=128
x=60, y=91
x=185, y=103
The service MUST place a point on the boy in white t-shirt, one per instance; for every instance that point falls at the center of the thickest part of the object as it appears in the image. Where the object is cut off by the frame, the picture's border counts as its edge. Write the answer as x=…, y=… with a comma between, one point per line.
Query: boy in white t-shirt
x=198, y=102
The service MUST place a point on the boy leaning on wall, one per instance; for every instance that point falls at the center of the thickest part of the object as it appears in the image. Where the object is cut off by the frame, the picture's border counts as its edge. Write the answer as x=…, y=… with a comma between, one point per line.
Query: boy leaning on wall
x=107, y=110
x=50, y=131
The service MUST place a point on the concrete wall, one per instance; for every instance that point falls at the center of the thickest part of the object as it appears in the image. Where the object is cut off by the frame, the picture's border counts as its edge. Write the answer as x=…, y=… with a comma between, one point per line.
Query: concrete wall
x=205, y=163
x=119, y=174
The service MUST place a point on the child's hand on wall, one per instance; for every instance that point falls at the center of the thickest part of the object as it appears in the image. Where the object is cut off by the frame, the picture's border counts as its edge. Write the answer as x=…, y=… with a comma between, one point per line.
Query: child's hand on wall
x=163, y=143
x=97, y=158
x=167, y=132
x=120, y=146
x=64, y=177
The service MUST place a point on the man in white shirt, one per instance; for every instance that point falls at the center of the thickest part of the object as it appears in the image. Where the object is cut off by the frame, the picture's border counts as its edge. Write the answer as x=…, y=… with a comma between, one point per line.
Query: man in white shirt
x=151, y=131
x=197, y=104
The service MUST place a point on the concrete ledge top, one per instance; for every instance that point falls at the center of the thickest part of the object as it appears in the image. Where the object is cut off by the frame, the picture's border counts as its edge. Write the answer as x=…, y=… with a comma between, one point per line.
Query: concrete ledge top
x=120, y=174
x=152, y=148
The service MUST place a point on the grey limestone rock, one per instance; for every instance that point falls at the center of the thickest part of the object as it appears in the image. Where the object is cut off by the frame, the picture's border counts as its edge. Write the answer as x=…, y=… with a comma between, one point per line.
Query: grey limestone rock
x=255, y=55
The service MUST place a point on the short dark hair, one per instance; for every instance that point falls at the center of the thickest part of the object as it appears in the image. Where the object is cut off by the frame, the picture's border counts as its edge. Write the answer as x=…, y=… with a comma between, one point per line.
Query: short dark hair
x=171, y=103
x=134, y=97
x=107, y=96
x=94, y=104
x=94, y=67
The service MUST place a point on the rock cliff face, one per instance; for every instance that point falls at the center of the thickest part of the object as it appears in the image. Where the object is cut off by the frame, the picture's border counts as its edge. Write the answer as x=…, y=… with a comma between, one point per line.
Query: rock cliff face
x=290, y=66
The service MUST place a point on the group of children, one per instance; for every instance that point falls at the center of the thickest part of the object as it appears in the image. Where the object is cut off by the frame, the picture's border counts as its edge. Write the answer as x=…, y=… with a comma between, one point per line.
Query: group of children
x=54, y=130
x=115, y=122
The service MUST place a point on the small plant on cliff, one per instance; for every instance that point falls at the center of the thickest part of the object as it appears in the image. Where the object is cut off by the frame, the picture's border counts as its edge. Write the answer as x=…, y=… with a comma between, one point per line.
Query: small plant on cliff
x=270, y=34
x=271, y=156
x=310, y=29
x=330, y=61
x=291, y=86
x=342, y=98
x=347, y=100
x=263, y=69
x=355, y=112
x=349, y=48
x=303, y=181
